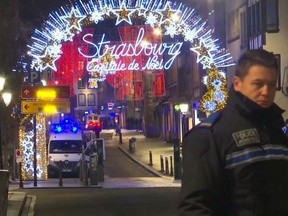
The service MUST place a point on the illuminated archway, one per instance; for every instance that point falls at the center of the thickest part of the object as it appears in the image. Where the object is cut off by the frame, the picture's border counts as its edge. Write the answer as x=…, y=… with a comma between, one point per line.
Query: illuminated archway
x=174, y=18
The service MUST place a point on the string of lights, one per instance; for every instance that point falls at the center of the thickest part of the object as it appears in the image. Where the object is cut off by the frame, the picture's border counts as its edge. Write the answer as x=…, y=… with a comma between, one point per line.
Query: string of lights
x=26, y=145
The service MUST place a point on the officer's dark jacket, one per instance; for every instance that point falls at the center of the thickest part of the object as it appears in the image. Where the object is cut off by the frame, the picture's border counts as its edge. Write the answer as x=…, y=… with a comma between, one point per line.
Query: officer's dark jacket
x=235, y=163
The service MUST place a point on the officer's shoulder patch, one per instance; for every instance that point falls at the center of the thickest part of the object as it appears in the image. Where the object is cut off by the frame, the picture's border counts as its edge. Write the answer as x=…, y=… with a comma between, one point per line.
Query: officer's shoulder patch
x=210, y=120
x=205, y=123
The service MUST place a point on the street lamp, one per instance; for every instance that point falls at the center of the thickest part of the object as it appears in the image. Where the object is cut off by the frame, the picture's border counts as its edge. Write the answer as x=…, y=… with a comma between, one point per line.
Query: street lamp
x=6, y=96
x=2, y=83
x=182, y=108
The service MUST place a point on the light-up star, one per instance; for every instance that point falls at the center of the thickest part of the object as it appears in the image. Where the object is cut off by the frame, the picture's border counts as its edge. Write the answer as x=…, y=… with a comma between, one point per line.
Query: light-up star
x=47, y=60
x=36, y=64
x=207, y=63
x=202, y=51
x=68, y=35
x=97, y=16
x=152, y=20
x=167, y=14
x=106, y=10
x=142, y=11
x=73, y=20
x=123, y=14
x=182, y=27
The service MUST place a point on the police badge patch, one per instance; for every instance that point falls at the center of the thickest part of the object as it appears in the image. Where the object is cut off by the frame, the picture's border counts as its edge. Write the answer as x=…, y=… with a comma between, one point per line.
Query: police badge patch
x=246, y=137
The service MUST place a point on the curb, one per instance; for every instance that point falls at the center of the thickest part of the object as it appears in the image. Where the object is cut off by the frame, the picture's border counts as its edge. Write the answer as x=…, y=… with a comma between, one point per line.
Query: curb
x=16, y=203
x=146, y=167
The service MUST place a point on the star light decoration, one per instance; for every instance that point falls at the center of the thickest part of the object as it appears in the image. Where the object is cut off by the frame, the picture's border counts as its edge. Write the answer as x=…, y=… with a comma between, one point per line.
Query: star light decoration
x=73, y=20
x=26, y=144
x=174, y=18
x=123, y=14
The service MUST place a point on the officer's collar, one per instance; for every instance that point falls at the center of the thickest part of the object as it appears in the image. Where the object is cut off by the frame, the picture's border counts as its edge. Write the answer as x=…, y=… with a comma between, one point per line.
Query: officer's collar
x=250, y=107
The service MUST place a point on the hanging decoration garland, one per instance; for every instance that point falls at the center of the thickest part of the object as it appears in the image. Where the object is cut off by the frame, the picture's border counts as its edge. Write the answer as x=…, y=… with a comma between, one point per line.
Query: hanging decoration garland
x=26, y=144
x=175, y=19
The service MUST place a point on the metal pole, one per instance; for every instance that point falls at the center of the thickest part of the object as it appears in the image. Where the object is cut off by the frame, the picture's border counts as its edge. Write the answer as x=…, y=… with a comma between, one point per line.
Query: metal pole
x=171, y=166
x=20, y=176
x=1, y=153
x=180, y=127
x=120, y=138
x=35, y=150
x=176, y=148
x=150, y=158
x=166, y=166
x=60, y=175
x=162, y=163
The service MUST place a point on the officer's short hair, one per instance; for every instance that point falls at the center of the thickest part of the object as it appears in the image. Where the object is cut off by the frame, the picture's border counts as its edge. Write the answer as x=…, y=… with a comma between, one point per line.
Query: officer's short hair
x=255, y=57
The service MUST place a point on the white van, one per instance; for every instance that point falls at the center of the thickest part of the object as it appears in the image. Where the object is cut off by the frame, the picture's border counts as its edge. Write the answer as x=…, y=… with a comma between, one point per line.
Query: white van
x=64, y=151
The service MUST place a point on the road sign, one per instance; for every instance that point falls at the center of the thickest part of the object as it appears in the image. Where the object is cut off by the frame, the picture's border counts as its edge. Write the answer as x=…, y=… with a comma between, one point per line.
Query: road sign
x=45, y=92
x=32, y=107
x=18, y=155
x=34, y=77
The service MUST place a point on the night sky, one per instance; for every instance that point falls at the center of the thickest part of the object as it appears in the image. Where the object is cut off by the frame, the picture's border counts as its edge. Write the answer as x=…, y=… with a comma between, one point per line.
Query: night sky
x=36, y=11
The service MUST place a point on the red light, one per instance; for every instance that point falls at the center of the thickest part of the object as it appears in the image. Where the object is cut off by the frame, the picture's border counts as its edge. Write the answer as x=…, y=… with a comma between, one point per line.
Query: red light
x=18, y=153
x=94, y=125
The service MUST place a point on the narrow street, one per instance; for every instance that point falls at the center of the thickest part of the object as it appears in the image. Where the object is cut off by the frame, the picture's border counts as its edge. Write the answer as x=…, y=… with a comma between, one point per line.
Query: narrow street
x=105, y=202
x=121, y=197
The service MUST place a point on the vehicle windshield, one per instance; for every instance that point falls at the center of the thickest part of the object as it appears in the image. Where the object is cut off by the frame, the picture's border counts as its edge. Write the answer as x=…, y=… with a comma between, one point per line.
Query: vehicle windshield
x=65, y=146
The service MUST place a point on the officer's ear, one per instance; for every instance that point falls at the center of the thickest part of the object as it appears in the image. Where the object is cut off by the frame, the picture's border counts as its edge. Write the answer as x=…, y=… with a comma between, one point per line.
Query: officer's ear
x=237, y=83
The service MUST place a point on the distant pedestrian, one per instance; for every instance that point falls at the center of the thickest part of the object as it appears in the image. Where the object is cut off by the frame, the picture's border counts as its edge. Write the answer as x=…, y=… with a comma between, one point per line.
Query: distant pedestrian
x=235, y=162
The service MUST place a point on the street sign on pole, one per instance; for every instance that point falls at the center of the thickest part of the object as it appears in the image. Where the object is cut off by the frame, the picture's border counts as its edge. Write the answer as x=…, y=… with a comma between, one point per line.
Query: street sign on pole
x=45, y=92
x=33, y=107
x=18, y=155
x=34, y=77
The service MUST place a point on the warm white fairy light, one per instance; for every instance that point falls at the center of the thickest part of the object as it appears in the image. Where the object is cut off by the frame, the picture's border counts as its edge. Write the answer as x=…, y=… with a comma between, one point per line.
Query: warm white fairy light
x=26, y=142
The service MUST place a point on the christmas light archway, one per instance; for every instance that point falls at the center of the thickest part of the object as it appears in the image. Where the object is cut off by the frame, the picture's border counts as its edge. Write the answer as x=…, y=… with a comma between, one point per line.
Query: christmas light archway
x=174, y=18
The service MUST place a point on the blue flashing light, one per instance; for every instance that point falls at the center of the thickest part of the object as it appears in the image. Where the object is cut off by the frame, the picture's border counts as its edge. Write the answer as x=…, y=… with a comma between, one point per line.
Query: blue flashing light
x=74, y=129
x=65, y=126
x=58, y=128
x=112, y=114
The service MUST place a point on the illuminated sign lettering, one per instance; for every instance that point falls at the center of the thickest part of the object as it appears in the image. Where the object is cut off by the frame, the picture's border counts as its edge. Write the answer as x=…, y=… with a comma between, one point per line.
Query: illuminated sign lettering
x=154, y=51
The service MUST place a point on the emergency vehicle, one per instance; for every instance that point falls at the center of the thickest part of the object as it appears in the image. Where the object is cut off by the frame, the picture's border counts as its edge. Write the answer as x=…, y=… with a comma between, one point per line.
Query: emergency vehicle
x=65, y=149
x=93, y=122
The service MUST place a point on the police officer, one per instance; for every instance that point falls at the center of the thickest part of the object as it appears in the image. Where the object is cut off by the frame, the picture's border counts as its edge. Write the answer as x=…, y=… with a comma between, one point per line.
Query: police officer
x=235, y=163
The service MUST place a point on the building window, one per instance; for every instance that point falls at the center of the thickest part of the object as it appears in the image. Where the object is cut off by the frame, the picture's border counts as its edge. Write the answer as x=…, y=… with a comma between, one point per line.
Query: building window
x=81, y=83
x=272, y=16
x=255, y=32
x=80, y=65
x=243, y=29
x=81, y=100
x=233, y=25
x=278, y=57
x=91, y=99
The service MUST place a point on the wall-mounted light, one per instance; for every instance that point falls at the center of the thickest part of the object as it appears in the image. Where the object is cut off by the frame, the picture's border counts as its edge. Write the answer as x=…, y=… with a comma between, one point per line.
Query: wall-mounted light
x=2, y=83
x=7, y=96
x=184, y=108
